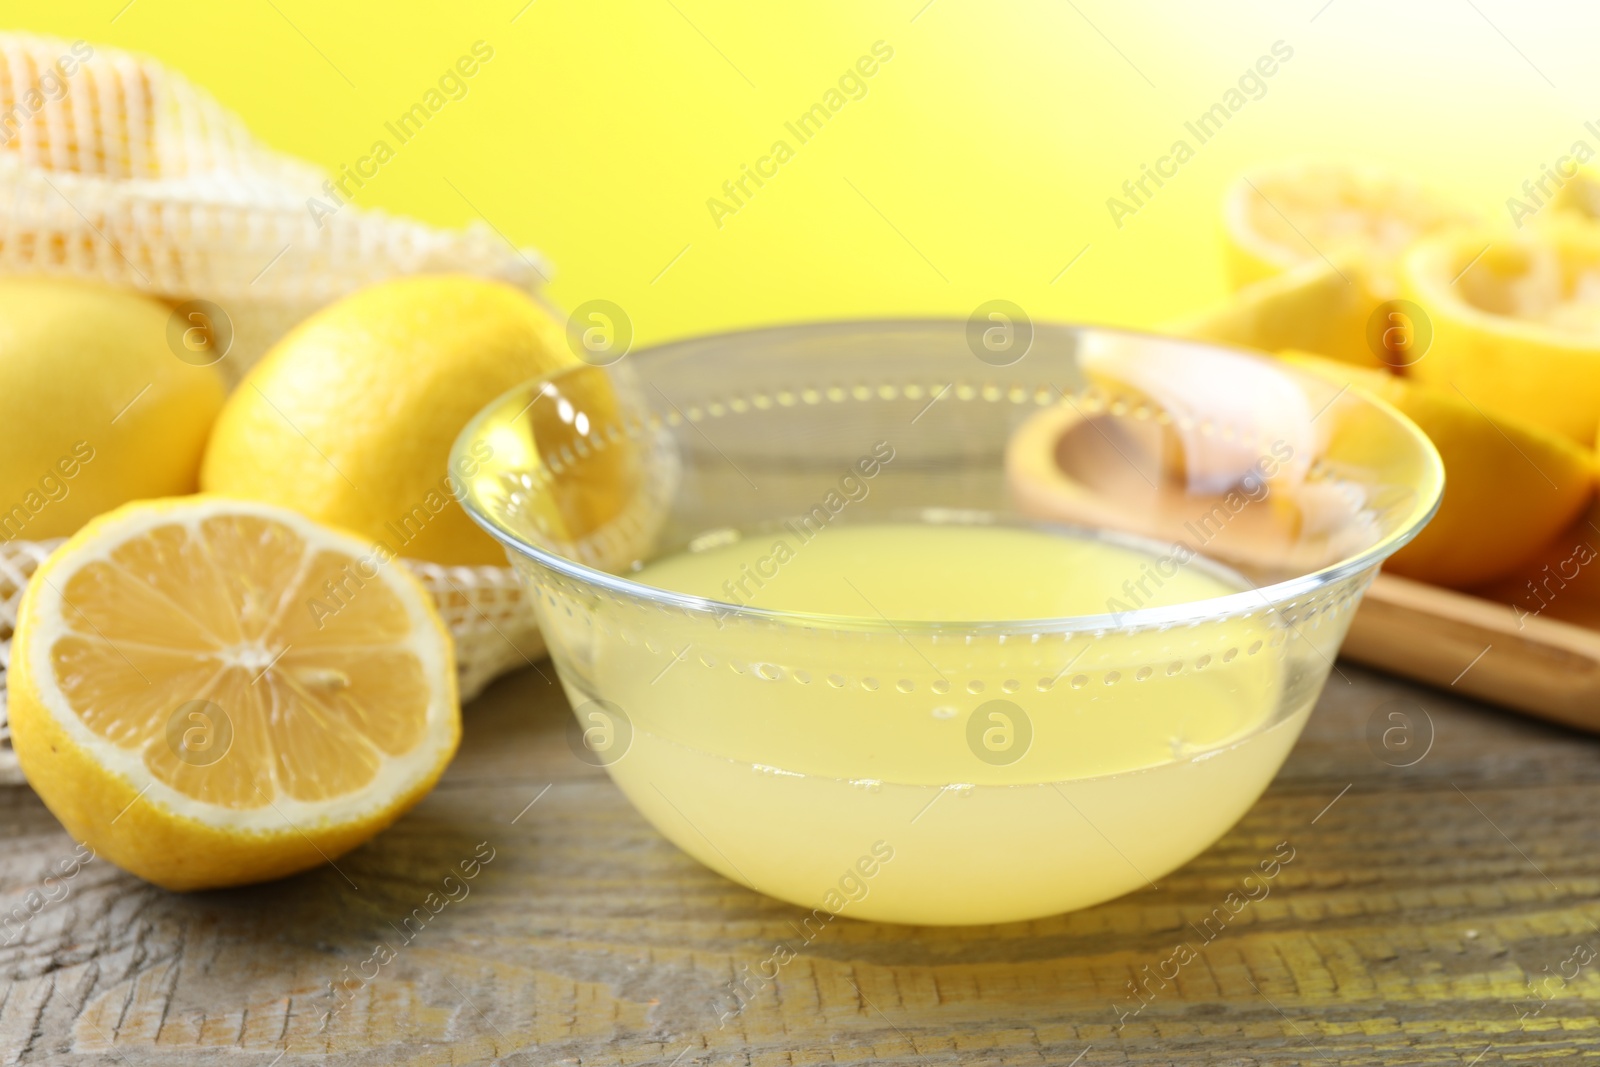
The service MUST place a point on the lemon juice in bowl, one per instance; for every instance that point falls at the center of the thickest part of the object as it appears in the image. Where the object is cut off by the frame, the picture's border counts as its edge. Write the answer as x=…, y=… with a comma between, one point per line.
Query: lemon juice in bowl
x=998, y=772
x=890, y=695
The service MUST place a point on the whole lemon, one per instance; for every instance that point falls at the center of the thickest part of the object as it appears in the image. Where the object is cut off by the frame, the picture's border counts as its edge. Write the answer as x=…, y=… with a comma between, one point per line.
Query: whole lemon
x=97, y=409
x=349, y=419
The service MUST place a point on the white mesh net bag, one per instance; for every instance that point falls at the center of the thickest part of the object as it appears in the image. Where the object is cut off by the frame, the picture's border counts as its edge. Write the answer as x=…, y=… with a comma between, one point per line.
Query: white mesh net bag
x=116, y=170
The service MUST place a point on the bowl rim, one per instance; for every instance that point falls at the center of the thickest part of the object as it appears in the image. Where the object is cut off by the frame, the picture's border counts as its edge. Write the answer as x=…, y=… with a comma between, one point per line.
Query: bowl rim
x=1247, y=601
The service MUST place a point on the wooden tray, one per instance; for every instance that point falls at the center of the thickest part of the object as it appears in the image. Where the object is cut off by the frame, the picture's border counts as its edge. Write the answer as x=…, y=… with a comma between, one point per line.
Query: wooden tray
x=1479, y=648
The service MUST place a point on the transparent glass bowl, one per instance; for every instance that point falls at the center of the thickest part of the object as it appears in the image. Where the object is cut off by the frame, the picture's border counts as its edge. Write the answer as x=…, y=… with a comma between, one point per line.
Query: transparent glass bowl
x=953, y=772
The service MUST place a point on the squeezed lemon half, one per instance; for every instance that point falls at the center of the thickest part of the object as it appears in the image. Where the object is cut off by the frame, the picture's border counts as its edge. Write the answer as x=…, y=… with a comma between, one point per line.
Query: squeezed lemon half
x=210, y=692
x=1279, y=217
x=1516, y=321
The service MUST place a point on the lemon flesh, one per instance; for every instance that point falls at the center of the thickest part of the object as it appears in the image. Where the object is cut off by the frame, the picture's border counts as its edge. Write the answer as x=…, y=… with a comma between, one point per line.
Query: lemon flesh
x=97, y=409
x=210, y=692
x=350, y=418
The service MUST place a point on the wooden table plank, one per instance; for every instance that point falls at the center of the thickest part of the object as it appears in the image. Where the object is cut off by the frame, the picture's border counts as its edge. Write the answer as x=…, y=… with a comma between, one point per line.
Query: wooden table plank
x=1419, y=903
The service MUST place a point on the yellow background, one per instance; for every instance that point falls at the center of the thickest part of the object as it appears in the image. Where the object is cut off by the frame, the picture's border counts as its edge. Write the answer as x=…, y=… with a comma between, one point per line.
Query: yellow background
x=977, y=166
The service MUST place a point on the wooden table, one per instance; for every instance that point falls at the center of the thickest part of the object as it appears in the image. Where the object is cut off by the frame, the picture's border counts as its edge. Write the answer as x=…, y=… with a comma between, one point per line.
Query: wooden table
x=1420, y=902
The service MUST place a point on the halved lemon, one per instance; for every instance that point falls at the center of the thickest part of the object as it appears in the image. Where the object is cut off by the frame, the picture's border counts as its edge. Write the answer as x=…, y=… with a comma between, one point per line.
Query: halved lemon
x=1279, y=217
x=1516, y=321
x=210, y=692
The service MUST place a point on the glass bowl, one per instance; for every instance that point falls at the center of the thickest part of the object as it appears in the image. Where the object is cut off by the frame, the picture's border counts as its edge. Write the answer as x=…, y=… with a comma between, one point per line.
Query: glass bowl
x=921, y=770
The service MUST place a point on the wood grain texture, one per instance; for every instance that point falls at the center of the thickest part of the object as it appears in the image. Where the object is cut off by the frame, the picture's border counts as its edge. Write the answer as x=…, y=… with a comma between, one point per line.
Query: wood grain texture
x=1420, y=903
x=1538, y=665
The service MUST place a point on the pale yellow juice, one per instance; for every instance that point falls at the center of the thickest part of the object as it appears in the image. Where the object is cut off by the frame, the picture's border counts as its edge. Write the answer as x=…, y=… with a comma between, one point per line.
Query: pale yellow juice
x=937, y=774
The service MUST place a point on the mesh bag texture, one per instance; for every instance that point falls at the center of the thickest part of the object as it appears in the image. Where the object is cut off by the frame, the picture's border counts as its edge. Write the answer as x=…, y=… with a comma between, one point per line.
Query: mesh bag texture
x=123, y=172
x=116, y=170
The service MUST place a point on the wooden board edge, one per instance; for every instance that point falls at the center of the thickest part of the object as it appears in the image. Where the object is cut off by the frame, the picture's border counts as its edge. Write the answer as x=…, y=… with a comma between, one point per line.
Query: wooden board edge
x=1539, y=666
